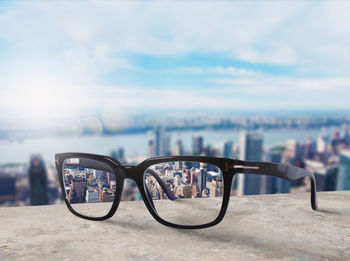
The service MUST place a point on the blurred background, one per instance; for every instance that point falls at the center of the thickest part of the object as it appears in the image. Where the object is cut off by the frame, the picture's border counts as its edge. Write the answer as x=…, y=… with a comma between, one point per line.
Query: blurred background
x=248, y=80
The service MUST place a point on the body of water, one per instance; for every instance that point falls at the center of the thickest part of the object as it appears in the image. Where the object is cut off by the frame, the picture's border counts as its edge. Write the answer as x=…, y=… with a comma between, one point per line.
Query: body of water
x=136, y=144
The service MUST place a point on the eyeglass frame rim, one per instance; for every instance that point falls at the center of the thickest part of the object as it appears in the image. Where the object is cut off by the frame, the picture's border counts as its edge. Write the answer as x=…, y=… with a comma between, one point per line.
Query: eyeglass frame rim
x=136, y=173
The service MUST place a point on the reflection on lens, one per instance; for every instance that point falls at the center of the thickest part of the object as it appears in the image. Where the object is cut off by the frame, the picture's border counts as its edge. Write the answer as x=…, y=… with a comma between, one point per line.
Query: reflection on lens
x=185, y=193
x=88, y=182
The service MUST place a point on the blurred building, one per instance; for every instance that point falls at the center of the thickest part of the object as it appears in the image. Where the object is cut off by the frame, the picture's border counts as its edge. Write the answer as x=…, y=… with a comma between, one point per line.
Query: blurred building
x=151, y=149
x=343, y=179
x=228, y=149
x=7, y=189
x=179, y=148
x=292, y=151
x=309, y=149
x=322, y=144
x=159, y=133
x=162, y=145
x=197, y=145
x=326, y=176
x=273, y=185
x=38, y=181
x=119, y=154
x=251, y=149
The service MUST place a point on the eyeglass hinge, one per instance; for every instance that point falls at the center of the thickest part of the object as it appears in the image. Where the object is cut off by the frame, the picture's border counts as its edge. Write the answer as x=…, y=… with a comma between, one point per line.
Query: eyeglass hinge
x=227, y=167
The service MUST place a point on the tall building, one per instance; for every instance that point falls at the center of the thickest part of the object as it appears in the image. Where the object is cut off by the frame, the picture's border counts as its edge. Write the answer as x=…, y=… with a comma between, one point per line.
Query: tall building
x=217, y=188
x=322, y=144
x=197, y=145
x=166, y=148
x=251, y=149
x=309, y=149
x=77, y=192
x=326, y=176
x=159, y=134
x=343, y=179
x=7, y=189
x=201, y=180
x=273, y=185
x=162, y=142
x=151, y=149
x=228, y=149
x=179, y=148
x=119, y=154
x=38, y=181
x=292, y=150
x=347, y=136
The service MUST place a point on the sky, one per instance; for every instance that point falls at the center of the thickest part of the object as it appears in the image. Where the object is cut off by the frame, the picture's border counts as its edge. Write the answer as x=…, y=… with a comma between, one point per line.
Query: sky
x=59, y=59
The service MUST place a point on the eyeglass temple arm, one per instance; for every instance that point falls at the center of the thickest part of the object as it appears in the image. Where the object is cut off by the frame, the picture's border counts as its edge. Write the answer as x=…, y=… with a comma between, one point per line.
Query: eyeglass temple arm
x=86, y=163
x=284, y=171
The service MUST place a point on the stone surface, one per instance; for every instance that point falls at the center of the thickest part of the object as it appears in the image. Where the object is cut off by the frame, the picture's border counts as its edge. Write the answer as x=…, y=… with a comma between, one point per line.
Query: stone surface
x=274, y=227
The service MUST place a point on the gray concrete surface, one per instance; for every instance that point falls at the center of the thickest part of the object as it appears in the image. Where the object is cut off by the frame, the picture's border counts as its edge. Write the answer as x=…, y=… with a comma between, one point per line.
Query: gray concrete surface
x=268, y=227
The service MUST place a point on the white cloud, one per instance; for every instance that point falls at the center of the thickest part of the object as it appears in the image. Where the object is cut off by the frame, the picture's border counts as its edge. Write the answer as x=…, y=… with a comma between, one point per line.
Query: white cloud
x=219, y=70
x=295, y=33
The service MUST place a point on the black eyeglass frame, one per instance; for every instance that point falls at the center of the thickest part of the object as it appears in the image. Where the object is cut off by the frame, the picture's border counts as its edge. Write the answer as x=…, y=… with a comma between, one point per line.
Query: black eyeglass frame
x=228, y=167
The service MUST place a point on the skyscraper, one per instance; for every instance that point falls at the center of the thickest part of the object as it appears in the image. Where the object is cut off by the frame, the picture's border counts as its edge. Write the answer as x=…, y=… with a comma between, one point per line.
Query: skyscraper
x=343, y=179
x=7, y=189
x=38, y=181
x=162, y=142
x=201, y=180
x=151, y=149
x=292, y=150
x=228, y=149
x=197, y=145
x=322, y=144
x=251, y=149
x=119, y=154
x=159, y=133
x=326, y=176
x=272, y=185
x=179, y=148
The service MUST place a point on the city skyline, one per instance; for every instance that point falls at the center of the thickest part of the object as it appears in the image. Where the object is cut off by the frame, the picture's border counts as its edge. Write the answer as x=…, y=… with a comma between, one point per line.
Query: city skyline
x=323, y=156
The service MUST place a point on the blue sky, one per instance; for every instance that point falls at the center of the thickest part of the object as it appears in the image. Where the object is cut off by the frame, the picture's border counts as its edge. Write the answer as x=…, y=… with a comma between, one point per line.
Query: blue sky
x=60, y=58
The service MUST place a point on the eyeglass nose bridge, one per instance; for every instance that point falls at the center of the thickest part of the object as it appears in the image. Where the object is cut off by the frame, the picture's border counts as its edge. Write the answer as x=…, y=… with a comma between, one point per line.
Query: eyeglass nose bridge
x=128, y=171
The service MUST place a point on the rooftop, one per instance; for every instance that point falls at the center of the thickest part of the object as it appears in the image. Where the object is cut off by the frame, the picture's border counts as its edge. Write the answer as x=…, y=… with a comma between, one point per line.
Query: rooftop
x=261, y=227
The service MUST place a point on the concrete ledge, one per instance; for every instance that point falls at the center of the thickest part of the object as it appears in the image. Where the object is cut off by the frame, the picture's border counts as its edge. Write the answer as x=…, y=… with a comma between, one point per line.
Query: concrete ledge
x=264, y=227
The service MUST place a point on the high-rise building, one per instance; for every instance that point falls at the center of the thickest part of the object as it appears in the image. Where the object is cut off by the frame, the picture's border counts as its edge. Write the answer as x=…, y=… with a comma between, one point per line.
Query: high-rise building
x=92, y=196
x=322, y=144
x=159, y=134
x=347, y=136
x=7, y=189
x=343, y=179
x=228, y=149
x=197, y=145
x=77, y=193
x=201, y=180
x=273, y=185
x=292, y=150
x=119, y=154
x=187, y=191
x=309, y=149
x=166, y=148
x=251, y=149
x=326, y=176
x=216, y=188
x=179, y=149
x=151, y=149
x=162, y=146
x=38, y=181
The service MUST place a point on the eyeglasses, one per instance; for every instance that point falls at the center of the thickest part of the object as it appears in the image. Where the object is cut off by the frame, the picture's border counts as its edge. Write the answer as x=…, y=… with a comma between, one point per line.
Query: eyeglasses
x=179, y=191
